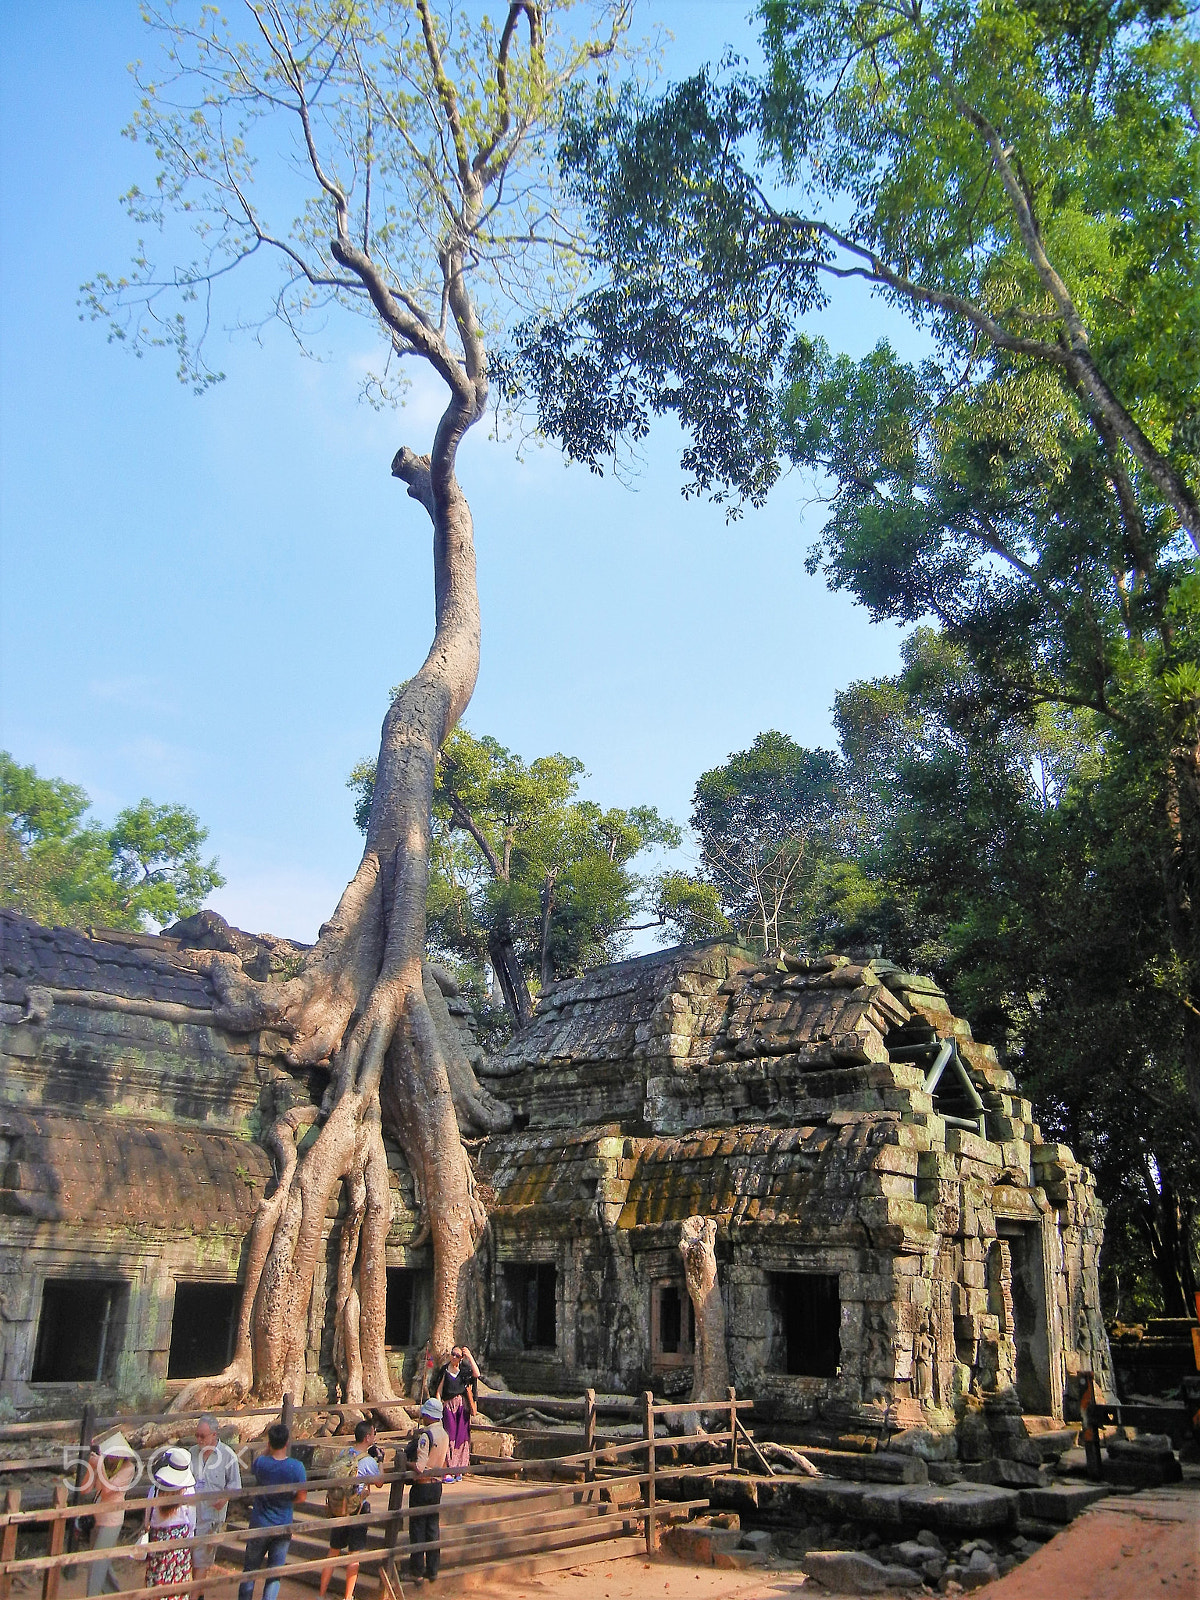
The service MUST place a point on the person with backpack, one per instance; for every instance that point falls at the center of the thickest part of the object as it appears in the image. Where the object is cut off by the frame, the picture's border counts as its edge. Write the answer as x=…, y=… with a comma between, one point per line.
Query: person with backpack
x=427, y=1453
x=272, y=1512
x=351, y=1496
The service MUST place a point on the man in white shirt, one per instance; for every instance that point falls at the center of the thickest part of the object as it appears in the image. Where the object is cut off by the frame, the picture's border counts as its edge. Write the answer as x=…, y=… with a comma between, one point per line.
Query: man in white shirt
x=427, y=1454
x=215, y=1468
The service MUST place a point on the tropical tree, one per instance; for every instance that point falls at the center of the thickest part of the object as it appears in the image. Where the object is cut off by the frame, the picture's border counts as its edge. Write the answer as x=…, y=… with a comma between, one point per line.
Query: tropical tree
x=525, y=876
x=61, y=869
x=769, y=823
x=387, y=159
x=1012, y=859
x=1020, y=179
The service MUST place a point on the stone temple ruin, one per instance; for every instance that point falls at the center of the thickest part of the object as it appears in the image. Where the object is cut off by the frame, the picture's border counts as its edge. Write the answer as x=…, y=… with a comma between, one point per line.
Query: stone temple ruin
x=896, y=1245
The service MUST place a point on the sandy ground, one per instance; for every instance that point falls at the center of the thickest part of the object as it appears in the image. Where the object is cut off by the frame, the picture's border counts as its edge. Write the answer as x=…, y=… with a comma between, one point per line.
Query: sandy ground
x=1143, y=1547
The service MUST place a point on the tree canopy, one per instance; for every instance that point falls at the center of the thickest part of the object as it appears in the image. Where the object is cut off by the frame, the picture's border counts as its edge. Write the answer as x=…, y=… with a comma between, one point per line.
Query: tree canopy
x=533, y=881
x=61, y=869
x=1020, y=179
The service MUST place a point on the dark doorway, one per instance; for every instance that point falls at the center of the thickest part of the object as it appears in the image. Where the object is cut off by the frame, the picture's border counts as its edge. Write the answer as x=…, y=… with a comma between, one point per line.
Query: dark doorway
x=203, y=1328
x=409, y=1306
x=531, y=1293
x=1031, y=1324
x=673, y=1323
x=806, y=1317
x=80, y=1330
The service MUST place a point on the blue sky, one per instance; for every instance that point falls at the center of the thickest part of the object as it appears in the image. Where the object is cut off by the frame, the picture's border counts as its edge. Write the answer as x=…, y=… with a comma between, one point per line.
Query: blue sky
x=206, y=599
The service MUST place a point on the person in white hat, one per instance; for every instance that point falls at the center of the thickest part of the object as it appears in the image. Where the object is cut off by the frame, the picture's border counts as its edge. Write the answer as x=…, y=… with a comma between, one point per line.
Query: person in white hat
x=113, y=1469
x=427, y=1452
x=172, y=1471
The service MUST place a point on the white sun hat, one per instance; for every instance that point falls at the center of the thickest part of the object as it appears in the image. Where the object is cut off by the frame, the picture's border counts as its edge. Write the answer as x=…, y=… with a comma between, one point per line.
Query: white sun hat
x=173, y=1469
x=115, y=1444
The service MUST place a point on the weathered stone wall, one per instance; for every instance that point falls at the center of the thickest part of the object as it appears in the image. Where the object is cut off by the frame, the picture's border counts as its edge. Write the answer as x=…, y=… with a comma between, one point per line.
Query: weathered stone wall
x=127, y=1150
x=790, y=1103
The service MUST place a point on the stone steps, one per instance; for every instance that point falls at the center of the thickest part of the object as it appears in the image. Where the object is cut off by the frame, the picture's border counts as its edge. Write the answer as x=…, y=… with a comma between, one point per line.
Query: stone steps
x=955, y=1510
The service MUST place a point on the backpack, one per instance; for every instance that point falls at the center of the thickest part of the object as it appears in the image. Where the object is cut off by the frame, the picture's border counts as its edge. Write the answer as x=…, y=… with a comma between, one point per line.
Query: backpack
x=341, y=1497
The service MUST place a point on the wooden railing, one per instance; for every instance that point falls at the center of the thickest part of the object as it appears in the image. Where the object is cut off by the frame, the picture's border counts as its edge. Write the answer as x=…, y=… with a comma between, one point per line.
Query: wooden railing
x=602, y=1463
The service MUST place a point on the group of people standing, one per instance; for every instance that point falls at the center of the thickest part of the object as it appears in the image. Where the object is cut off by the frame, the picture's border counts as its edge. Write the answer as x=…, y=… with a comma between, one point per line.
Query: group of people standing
x=438, y=1453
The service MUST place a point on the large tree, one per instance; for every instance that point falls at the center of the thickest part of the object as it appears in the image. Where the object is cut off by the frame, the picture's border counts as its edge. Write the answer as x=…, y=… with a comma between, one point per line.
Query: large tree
x=1011, y=856
x=1021, y=180
x=526, y=876
x=771, y=822
x=388, y=159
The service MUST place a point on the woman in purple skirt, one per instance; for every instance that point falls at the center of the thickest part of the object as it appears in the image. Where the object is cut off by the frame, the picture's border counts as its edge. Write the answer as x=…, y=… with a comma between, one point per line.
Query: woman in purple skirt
x=455, y=1388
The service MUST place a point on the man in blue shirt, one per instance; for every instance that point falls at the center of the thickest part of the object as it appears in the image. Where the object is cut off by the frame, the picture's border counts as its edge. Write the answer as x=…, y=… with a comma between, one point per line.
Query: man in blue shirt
x=272, y=1511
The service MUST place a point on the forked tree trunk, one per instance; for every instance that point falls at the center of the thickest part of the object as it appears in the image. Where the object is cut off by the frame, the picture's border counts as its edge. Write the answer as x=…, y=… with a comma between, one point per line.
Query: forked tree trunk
x=362, y=1004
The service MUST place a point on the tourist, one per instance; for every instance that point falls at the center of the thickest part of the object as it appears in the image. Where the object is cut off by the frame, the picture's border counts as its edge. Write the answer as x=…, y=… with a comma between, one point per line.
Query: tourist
x=353, y=1537
x=112, y=1469
x=167, y=1523
x=216, y=1470
x=427, y=1453
x=455, y=1388
x=272, y=1512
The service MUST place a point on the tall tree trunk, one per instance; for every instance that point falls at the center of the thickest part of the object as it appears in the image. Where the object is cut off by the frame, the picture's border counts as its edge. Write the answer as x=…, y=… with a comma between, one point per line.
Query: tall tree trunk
x=547, y=972
x=1181, y=880
x=506, y=965
x=362, y=1004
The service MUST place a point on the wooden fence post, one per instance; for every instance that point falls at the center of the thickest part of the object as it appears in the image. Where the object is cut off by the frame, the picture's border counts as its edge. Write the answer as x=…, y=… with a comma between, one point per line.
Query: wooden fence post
x=648, y=1411
x=392, y=1527
x=589, y=1434
x=733, y=1430
x=8, y=1545
x=58, y=1534
x=287, y=1414
x=87, y=1427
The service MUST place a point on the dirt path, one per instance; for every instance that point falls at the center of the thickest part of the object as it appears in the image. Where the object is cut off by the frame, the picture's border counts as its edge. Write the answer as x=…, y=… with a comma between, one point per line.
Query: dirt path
x=1144, y=1547
x=631, y=1579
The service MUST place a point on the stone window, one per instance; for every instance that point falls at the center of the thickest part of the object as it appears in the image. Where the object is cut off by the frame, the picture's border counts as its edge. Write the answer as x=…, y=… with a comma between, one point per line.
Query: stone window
x=955, y=1097
x=806, y=1317
x=530, y=1320
x=672, y=1324
x=80, y=1330
x=203, y=1328
x=409, y=1307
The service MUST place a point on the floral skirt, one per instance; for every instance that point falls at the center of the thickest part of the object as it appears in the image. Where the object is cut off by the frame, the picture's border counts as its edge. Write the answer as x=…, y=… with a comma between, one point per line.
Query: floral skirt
x=456, y=1420
x=172, y=1566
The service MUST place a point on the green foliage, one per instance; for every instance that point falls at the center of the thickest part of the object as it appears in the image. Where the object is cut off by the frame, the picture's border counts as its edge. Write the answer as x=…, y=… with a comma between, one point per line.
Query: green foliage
x=1021, y=861
x=1023, y=181
x=61, y=870
x=763, y=821
x=369, y=156
x=518, y=856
